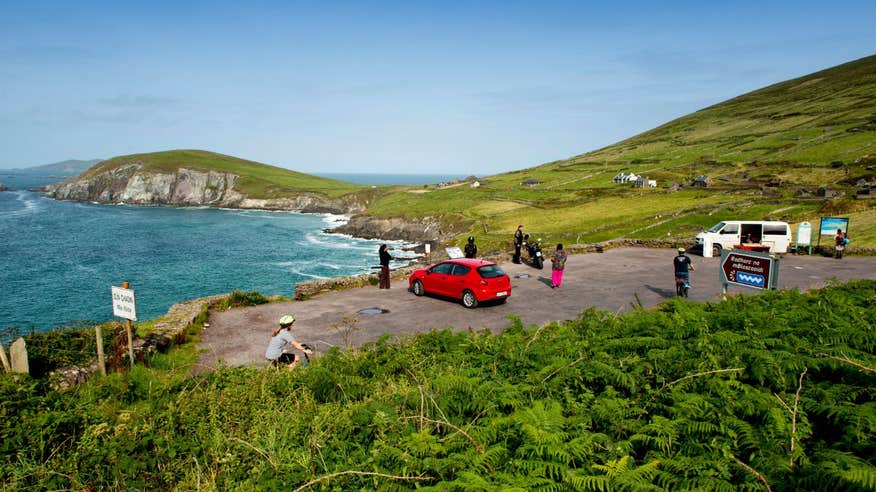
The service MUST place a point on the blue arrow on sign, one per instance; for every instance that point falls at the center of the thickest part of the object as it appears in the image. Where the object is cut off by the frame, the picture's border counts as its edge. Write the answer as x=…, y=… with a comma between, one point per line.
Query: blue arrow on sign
x=751, y=279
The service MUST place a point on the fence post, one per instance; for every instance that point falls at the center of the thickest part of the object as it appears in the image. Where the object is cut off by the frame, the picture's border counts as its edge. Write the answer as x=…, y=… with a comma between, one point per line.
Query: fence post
x=98, y=335
x=126, y=285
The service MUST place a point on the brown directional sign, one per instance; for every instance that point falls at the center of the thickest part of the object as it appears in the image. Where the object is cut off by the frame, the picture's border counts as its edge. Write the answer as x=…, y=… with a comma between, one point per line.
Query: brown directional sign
x=748, y=269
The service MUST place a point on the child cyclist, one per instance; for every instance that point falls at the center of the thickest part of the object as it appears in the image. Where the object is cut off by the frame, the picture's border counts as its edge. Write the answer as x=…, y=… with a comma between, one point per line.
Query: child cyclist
x=282, y=337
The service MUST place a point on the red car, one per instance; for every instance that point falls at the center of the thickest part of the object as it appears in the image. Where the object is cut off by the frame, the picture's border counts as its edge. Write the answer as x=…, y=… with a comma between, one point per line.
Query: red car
x=471, y=280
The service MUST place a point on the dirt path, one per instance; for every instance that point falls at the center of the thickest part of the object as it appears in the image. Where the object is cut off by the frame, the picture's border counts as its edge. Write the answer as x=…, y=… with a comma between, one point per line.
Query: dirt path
x=616, y=280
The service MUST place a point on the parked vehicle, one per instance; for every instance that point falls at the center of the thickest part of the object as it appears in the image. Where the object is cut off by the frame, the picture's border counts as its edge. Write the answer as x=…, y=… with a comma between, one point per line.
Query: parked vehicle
x=472, y=281
x=770, y=235
x=536, y=258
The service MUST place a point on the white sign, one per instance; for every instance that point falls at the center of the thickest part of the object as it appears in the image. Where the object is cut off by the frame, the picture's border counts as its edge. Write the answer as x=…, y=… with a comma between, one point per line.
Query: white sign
x=454, y=252
x=804, y=234
x=124, y=305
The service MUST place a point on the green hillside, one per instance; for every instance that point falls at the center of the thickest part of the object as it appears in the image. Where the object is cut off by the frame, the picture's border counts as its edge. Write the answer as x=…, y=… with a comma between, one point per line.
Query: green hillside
x=768, y=152
x=256, y=180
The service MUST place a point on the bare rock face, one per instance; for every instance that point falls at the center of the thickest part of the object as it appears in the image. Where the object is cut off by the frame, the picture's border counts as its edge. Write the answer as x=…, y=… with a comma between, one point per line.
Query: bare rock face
x=426, y=229
x=188, y=187
x=3, y=187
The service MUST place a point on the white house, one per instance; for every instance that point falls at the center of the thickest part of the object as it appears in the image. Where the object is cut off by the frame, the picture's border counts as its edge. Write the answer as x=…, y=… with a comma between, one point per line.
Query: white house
x=625, y=178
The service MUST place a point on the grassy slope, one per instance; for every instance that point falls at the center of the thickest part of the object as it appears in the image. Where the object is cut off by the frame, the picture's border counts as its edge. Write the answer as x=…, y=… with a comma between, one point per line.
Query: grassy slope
x=257, y=180
x=807, y=132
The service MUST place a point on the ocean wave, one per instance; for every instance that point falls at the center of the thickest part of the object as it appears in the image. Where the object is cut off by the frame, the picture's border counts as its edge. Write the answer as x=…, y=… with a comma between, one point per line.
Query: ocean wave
x=29, y=204
x=308, y=275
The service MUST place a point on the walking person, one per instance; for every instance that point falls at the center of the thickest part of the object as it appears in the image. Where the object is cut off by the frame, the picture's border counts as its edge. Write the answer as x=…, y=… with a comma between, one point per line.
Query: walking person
x=683, y=267
x=840, y=241
x=276, y=351
x=558, y=265
x=518, y=243
x=384, y=266
x=471, y=250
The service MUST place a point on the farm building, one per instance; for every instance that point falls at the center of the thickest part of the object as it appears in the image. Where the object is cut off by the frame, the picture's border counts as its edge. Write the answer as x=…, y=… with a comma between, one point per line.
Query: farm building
x=644, y=182
x=625, y=178
x=703, y=181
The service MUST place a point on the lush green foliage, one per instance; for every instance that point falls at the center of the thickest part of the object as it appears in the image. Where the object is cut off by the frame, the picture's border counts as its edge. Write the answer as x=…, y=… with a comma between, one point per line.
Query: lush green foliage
x=772, y=389
x=241, y=299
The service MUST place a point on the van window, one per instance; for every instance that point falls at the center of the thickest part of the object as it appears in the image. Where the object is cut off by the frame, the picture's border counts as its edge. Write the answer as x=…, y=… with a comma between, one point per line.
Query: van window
x=730, y=229
x=717, y=227
x=775, y=229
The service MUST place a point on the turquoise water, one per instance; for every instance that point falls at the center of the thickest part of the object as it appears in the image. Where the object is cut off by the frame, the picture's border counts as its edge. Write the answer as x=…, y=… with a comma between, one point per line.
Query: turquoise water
x=61, y=258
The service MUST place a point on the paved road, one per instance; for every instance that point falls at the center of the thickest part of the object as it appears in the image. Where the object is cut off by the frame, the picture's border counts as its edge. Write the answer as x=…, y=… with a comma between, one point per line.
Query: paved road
x=617, y=280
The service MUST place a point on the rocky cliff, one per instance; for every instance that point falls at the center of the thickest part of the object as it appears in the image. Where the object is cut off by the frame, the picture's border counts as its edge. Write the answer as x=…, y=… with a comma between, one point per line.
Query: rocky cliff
x=422, y=230
x=3, y=187
x=188, y=187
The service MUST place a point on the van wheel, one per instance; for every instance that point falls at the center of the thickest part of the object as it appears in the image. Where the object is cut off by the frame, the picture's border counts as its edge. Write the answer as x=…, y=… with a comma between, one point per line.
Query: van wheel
x=716, y=250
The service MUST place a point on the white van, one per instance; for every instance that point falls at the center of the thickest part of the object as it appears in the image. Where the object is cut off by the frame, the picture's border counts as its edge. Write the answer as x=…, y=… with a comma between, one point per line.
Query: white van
x=752, y=234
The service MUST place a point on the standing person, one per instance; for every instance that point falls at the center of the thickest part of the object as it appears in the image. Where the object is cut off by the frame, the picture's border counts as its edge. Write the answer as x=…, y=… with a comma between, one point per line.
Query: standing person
x=282, y=336
x=471, y=250
x=682, y=266
x=840, y=241
x=518, y=243
x=384, y=266
x=558, y=265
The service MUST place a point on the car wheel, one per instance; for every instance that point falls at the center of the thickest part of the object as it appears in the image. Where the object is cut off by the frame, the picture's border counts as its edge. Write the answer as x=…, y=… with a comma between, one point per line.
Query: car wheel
x=469, y=300
x=716, y=250
x=418, y=288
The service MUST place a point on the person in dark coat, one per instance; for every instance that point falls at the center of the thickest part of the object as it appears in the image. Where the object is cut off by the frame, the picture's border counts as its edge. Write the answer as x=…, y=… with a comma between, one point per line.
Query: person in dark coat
x=518, y=243
x=471, y=250
x=385, y=257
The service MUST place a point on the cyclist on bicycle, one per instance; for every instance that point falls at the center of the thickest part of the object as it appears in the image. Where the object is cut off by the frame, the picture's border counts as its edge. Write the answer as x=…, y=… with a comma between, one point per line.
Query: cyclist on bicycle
x=683, y=266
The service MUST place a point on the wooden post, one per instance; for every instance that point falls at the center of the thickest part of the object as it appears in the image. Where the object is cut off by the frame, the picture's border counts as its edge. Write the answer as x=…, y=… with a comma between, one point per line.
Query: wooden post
x=126, y=285
x=4, y=359
x=100, y=359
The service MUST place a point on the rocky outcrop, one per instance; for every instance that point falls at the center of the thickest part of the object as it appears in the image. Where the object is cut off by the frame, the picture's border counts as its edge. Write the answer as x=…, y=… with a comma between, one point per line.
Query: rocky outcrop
x=188, y=187
x=3, y=187
x=421, y=230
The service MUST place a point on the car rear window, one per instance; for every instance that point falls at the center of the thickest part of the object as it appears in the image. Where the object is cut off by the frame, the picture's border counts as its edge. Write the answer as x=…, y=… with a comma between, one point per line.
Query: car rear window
x=490, y=271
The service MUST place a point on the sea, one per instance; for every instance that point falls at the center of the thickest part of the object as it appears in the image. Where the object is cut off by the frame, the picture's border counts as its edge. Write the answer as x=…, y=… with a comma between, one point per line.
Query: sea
x=59, y=260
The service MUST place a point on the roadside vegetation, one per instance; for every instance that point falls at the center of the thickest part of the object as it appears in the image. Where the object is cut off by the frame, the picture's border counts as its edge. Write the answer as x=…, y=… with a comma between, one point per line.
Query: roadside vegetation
x=767, y=392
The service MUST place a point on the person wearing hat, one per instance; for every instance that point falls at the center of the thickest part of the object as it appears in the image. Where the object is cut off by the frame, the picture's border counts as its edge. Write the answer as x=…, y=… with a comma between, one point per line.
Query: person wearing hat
x=282, y=336
x=683, y=266
x=471, y=250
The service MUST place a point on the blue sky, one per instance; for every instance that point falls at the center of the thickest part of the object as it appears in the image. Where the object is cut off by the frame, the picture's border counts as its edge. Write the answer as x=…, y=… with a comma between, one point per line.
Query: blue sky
x=474, y=87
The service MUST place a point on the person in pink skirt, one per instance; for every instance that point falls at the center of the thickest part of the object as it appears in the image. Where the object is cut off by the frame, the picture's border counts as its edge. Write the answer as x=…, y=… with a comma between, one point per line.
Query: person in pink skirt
x=558, y=264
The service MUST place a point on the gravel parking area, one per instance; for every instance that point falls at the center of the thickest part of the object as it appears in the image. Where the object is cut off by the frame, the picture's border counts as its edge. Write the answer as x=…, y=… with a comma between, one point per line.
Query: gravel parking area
x=616, y=280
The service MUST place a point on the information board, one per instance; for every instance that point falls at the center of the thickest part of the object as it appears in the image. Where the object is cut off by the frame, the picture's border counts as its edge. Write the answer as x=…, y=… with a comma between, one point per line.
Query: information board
x=124, y=304
x=749, y=269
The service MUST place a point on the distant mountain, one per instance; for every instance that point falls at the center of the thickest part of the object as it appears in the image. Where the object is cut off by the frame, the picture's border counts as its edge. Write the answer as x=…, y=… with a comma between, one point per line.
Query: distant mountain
x=71, y=167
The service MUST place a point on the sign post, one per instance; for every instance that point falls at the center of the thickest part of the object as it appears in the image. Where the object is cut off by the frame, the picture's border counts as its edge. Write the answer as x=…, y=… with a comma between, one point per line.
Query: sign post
x=125, y=306
x=804, y=237
x=748, y=269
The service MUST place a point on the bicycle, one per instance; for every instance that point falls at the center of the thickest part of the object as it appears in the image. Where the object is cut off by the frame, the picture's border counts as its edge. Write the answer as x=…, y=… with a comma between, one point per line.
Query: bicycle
x=682, y=286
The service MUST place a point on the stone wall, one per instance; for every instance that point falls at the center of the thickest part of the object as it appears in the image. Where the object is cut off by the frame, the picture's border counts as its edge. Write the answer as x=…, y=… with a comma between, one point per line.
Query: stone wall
x=169, y=329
